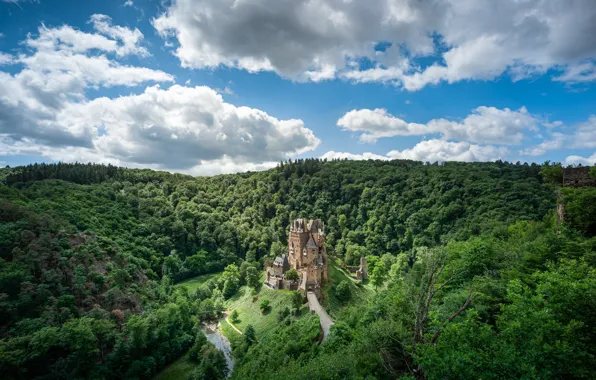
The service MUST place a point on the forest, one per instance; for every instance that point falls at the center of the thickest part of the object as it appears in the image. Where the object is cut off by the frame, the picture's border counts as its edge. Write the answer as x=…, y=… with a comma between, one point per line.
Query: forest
x=476, y=273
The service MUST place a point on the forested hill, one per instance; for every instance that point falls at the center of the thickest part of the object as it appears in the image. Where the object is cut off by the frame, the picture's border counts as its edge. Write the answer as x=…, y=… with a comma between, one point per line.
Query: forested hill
x=89, y=253
x=369, y=207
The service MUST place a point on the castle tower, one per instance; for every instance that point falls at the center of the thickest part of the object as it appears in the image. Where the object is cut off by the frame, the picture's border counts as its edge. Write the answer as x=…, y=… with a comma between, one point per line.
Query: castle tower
x=306, y=252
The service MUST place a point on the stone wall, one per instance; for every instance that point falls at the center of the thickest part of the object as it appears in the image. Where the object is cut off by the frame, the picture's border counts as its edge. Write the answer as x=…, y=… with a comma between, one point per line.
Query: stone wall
x=578, y=177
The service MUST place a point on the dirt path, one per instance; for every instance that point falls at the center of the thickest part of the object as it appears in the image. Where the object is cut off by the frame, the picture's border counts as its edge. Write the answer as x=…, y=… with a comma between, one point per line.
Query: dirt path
x=231, y=324
x=326, y=322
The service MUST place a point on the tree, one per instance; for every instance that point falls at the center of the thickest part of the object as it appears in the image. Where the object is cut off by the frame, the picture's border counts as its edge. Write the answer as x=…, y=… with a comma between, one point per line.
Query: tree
x=552, y=173
x=292, y=275
x=252, y=277
x=377, y=277
x=342, y=290
x=250, y=337
x=231, y=280
x=234, y=316
x=297, y=299
x=264, y=306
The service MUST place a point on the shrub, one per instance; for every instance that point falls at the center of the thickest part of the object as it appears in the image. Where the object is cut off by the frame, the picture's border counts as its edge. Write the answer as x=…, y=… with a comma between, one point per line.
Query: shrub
x=265, y=305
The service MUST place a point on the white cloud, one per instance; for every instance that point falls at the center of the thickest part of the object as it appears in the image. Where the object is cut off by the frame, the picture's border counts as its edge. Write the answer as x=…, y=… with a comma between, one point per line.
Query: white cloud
x=332, y=155
x=582, y=72
x=574, y=160
x=44, y=110
x=6, y=59
x=441, y=150
x=128, y=3
x=485, y=125
x=180, y=126
x=432, y=151
x=581, y=136
x=313, y=40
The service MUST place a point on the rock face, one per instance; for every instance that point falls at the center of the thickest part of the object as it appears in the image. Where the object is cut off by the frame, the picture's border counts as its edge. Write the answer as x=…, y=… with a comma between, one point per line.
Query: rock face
x=578, y=177
x=306, y=255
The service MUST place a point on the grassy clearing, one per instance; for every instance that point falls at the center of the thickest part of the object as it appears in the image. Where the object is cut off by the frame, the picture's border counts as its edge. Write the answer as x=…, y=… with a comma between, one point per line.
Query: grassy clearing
x=360, y=291
x=249, y=311
x=232, y=335
x=180, y=369
x=193, y=283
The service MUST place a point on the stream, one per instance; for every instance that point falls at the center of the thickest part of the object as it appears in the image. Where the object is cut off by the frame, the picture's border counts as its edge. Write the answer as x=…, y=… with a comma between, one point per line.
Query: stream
x=215, y=336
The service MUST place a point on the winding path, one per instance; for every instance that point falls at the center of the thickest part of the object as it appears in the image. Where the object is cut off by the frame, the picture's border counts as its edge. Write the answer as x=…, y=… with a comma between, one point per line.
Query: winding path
x=326, y=322
x=231, y=324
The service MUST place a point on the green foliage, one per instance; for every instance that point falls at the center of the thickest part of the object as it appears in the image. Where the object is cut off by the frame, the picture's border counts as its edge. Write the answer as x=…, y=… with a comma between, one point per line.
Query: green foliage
x=593, y=171
x=90, y=254
x=250, y=337
x=580, y=209
x=234, y=316
x=252, y=277
x=378, y=274
x=297, y=299
x=264, y=306
x=552, y=173
x=292, y=275
x=231, y=280
x=211, y=364
x=342, y=290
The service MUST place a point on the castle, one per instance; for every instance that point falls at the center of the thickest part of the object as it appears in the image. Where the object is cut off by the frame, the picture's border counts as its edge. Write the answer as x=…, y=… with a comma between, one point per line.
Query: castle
x=306, y=255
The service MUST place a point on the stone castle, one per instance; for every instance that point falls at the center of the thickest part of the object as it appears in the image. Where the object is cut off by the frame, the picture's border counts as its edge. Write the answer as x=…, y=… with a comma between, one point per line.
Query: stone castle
x=306, y=255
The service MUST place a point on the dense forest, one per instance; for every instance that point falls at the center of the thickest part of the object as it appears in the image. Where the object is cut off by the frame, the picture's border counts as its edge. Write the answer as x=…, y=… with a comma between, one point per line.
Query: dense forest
x=477, y=275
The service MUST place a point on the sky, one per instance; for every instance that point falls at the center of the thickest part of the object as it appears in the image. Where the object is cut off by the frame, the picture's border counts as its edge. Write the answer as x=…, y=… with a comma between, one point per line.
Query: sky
x=222, y=86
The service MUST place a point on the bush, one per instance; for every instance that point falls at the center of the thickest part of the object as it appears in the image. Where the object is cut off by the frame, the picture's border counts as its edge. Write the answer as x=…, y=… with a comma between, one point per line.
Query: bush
x=234, y=316
x=265, y=305
x=342, y=291
x=292, y=275
x=283, y=314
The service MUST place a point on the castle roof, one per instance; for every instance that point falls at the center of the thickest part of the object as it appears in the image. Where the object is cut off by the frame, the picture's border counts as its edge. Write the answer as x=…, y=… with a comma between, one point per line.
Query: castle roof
x=311, y=243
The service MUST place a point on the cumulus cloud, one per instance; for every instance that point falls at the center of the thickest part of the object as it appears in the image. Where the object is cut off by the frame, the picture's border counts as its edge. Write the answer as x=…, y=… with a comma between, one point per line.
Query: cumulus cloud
x=180, y=126
x=432, y=151
x=332, y=155
x=44, y=110
x=575, y=160
x=325, y=39
x=6, y=59
x=485, y=125
x=441, y=150
x=580, y=136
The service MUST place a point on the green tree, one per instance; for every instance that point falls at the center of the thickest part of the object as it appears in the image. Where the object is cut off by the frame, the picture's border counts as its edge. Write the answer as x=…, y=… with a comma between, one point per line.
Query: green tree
x=250, y=337
x=297, y=299
x=234, y=316
x=378, y=275
x=292, y=275
x=252, y=277
x=265, y=305
x=552, y=173
x=231, y=280
x=342, y=290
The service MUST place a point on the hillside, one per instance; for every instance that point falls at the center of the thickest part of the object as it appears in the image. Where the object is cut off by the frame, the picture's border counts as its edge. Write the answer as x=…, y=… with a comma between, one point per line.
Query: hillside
x=90, y=255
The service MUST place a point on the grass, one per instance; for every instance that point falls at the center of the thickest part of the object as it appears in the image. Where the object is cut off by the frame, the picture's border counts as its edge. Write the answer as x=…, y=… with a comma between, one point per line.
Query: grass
x=232, y=335
x=180, y=369
x=192, y=284
x=249, y=312
x=360, y=291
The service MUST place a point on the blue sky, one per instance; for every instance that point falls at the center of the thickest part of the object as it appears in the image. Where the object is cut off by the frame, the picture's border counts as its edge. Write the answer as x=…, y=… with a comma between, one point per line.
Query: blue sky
x=224, y=86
